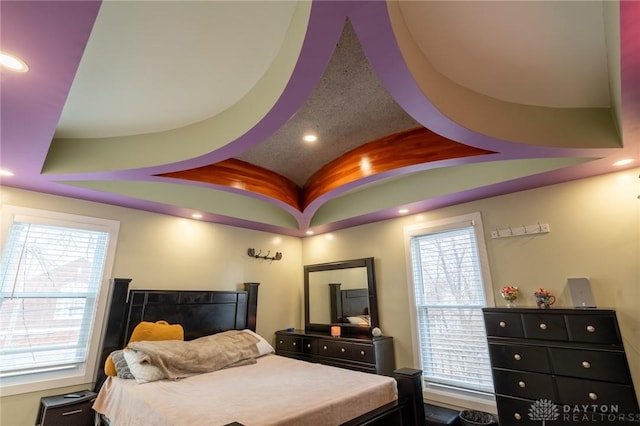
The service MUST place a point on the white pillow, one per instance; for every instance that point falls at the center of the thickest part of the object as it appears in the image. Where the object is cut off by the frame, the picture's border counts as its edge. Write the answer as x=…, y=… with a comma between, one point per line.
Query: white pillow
x=263, y=346
x=142, y=371
x=360, y=320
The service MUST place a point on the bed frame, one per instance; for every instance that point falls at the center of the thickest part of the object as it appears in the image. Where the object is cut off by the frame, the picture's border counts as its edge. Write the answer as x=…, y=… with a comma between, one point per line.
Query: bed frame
x=203, y=313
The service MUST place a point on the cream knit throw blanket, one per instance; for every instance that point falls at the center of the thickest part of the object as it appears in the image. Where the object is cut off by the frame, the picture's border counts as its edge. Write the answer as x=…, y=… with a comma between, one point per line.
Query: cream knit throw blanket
x=177, y=358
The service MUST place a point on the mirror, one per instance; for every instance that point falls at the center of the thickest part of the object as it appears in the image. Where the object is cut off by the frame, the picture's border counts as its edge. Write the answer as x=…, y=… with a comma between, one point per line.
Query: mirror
x=341, y=293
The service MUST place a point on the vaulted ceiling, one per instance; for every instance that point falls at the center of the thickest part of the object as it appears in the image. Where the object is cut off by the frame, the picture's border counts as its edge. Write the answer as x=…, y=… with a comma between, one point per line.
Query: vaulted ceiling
x=200, y=107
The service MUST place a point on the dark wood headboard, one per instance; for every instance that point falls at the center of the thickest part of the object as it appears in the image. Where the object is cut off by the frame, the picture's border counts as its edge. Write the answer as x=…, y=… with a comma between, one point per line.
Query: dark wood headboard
x=347, y=303
x=200, y=313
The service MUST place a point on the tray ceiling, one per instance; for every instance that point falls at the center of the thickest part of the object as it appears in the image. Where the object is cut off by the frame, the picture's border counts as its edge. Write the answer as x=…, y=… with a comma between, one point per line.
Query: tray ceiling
x=200, y=107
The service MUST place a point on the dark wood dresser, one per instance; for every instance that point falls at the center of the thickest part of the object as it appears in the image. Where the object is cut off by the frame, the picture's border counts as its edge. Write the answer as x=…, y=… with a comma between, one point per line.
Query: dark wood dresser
x=371, y=355
x=562, y=365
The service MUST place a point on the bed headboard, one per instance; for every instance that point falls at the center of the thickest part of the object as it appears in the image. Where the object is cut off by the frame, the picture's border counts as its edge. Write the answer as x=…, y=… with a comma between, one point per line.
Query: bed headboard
x=200, y=313
x=347, y=303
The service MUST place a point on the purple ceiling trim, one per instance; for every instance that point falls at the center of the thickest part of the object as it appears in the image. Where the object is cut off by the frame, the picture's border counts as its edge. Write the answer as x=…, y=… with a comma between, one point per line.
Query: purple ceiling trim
x=515, y=185
x=284, y=206
x=58, y=32
x=630, y=72
x=323, y=31
x=50, y=37
x=375, y=32
x=170, y=210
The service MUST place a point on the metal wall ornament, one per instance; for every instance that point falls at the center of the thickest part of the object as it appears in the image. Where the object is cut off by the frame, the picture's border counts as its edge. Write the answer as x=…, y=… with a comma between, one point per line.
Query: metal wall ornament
x=252, y=253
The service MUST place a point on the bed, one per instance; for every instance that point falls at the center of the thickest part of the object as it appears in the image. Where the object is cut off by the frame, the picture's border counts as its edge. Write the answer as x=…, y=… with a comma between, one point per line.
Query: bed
x=268, y=390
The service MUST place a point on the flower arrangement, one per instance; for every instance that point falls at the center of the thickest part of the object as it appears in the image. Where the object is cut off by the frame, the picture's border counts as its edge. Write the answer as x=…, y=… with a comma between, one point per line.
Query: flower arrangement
x=509, y=293
x=541, y=292
x=544, y=298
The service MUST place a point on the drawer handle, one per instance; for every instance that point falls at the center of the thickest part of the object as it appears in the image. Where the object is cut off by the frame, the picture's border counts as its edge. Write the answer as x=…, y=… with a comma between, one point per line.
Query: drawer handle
x=362, y=353
x=69, y=413
x=308, y=345
x=586, y=364
x=502, y=324
x=593, y=396
x=280, y=342
x=294, y=343
x=325, y=347
x=522, y=384
x=517, y=357
x=343, y=350
x=543, y=326
x=517, y=416
x=591, y=329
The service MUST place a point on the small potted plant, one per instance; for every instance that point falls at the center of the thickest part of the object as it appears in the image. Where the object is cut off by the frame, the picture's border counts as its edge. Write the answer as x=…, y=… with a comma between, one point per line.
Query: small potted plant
x=544, y=298
x=510, y=294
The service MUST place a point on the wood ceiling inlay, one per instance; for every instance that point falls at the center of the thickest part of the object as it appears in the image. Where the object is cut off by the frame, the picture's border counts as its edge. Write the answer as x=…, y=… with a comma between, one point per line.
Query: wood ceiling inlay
x=402, y=149
x=399, y=150
x=243, y=176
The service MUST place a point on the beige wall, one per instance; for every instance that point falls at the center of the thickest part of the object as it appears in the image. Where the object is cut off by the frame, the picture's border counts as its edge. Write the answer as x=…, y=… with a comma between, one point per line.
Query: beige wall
x=164, y=252
x=595, y=233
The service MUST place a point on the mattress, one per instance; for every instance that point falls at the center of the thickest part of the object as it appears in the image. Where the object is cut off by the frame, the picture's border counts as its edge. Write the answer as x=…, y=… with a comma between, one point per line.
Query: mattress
x=274, y=391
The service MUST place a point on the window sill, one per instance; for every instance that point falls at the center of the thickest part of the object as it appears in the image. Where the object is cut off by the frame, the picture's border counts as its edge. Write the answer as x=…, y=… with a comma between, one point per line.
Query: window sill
x=459, y=400
x=40, y=382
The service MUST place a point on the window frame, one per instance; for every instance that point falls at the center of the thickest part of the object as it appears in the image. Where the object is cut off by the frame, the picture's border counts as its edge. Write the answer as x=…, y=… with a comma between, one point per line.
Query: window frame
x=85, y=372
x=439, y=393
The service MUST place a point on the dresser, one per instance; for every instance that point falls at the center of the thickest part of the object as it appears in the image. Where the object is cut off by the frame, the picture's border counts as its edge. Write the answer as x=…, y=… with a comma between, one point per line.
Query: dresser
x=371, y=355
x=561, y=365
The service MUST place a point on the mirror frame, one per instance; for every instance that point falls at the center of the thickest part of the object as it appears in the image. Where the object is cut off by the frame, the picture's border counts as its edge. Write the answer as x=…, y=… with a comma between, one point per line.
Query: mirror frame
x=347, y=329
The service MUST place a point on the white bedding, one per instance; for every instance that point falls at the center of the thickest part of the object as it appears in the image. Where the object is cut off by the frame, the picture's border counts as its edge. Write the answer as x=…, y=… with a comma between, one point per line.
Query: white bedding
x=274, y=391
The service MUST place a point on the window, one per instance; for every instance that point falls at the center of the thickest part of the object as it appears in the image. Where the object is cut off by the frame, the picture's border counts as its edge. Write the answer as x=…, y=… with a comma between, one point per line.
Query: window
x=51, y=272
x=448, y=268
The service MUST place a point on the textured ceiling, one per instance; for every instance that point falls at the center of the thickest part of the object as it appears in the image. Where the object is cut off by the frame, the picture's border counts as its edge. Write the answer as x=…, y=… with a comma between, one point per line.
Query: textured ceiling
x=183, y=107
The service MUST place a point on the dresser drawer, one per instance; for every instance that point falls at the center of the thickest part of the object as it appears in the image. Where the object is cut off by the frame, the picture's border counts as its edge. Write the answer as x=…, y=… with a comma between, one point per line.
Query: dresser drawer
x=523, y=384
x=594, y=393
x=519, y=357
x=288, y=343
x=515, y=411
x=310, y=346
x=593, y=329
x=347, y=350
x=503, y=324
x=362, y=353
x=590, y=364
x=544, y=326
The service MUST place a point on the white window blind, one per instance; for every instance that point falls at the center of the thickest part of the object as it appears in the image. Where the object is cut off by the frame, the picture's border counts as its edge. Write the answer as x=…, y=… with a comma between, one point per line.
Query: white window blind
x=50, y=279
x=449, y=294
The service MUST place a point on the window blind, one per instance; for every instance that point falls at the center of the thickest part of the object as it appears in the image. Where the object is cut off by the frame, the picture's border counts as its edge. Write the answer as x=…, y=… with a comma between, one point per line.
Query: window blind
x=49, y=282
x=449, y=295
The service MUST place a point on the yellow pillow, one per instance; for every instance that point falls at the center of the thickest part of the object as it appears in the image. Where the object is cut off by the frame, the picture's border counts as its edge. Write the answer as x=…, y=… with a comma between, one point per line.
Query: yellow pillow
x=159, y=330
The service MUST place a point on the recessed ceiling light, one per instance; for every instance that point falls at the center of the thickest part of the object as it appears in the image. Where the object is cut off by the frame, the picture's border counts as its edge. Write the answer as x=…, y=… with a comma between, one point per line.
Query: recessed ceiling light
x=365, y=166
x=196, y=216
x=309, y=232
x=403, y=211
x=624, y=162
x=12, y=62
x=310, y=137
x=4, y=172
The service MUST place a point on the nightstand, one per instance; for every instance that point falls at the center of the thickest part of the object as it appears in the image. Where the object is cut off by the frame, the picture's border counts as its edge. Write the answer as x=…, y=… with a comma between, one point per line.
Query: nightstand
x=71, y=409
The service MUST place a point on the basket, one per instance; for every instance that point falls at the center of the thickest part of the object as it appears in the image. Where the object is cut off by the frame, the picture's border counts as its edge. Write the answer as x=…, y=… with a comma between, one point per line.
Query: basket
x=476, y=418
